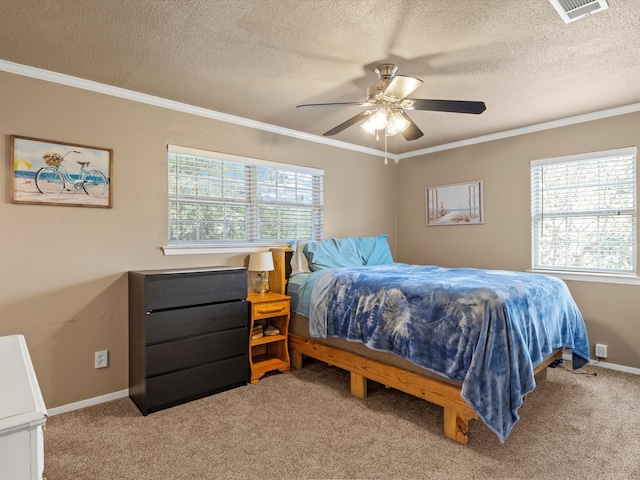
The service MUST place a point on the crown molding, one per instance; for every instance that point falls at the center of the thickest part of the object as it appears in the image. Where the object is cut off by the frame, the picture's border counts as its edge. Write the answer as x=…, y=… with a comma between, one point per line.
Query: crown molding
x=587, y=117
x=97, y=87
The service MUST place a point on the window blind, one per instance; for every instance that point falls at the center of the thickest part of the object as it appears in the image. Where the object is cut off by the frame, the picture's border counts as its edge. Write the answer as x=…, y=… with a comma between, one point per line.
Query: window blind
x=216, y=198
x=583, y=211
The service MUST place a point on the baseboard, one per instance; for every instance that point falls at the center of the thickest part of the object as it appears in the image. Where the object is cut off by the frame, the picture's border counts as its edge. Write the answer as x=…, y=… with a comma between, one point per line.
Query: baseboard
x=615, y=366
x=610, y=366
x=124, y=393
x=87, y=403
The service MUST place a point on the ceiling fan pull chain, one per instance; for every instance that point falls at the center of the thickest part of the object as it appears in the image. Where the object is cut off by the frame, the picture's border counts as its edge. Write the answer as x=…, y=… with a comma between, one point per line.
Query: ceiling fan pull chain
x=385, y=146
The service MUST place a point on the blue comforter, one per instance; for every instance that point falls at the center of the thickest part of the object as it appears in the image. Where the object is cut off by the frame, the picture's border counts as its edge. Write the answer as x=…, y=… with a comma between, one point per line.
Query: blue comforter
x=488, y=329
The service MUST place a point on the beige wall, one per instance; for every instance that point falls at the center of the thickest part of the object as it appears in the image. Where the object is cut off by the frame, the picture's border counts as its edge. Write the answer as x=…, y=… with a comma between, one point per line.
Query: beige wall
x=64, y=283
x=504, y=241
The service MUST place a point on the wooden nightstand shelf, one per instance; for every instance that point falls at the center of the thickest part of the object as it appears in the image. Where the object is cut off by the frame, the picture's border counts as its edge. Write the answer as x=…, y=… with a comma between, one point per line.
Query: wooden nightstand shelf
x=269, y=353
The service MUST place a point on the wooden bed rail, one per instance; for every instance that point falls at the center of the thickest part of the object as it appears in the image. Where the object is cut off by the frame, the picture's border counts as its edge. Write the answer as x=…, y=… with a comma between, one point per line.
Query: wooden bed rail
x=457, y=412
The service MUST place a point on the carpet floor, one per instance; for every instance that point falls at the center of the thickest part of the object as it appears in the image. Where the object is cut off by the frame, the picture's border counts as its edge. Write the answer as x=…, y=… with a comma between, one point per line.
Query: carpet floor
x=306, y=425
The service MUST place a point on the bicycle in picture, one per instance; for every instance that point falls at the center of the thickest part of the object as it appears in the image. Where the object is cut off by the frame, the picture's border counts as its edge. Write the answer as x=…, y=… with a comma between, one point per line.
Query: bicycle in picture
x=54, y=178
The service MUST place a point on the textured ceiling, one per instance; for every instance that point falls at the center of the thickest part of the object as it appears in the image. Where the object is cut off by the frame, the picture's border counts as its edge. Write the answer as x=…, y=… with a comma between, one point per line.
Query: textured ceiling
x=258, y=59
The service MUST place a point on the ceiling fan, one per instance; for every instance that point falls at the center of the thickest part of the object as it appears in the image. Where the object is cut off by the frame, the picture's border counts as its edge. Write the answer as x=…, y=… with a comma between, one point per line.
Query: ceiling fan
x=387, y=101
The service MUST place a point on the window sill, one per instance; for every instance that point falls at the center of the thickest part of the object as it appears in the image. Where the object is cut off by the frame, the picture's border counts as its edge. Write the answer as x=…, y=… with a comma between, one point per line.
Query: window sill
x=591, y=277
x=213, y=249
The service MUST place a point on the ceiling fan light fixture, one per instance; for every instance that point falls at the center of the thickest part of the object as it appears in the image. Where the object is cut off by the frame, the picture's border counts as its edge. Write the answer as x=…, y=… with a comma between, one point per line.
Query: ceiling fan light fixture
x=391, y=121
x=368, y=127
x=379, y=119
x=391, y=130
x=400, y=123
x=376, y=121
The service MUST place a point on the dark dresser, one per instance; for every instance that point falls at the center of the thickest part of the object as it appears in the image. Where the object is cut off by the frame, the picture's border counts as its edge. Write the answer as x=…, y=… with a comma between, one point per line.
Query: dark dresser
x=188, y=334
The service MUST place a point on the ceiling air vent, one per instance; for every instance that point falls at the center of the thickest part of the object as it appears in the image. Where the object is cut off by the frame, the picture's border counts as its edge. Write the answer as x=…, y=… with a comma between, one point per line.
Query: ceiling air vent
x=570, y=10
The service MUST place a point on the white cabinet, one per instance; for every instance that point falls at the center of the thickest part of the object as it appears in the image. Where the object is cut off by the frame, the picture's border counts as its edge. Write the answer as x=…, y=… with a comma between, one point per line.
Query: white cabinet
x=22, y=413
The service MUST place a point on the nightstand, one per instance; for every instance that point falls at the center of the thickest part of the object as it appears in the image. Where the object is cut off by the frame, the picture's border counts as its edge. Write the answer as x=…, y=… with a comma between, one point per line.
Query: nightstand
x=269, y=352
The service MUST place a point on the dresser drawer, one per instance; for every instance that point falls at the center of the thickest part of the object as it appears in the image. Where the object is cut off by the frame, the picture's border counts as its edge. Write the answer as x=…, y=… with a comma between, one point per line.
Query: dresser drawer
x=178, y=387
x=268, y=310
x=172, y=356
x=189, y=321
x=199, y=288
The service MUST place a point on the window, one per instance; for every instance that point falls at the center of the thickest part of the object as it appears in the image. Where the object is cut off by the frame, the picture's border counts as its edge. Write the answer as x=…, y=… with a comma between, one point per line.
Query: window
x=583, y=211
x=216, y=198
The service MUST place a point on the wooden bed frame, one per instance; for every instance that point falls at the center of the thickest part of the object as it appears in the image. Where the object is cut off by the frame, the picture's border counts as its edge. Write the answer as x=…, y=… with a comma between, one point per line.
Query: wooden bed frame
x=457, y=412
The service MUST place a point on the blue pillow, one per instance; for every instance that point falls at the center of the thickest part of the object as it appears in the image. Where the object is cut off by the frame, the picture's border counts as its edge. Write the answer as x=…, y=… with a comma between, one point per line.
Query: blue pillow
x=373, y=250
x=332, y=253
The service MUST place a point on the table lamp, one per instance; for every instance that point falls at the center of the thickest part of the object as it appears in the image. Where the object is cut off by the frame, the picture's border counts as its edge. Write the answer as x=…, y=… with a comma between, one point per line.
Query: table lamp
x=261, y=262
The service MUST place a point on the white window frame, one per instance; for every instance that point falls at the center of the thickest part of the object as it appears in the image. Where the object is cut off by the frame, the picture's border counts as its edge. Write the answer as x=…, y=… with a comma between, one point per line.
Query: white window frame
x=251, y=202
x=537, y=214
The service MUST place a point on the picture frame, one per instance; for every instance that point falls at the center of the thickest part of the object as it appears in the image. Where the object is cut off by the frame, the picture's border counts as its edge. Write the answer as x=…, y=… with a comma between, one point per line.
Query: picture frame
x=456, y=204
x=49, y=172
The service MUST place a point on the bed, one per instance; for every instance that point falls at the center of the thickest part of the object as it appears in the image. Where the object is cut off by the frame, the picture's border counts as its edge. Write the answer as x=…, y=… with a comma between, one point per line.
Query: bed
x=472, y=341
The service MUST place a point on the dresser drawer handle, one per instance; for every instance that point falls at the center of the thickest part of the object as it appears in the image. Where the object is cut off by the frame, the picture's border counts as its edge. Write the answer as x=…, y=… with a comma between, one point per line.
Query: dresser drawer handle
x=272, y=310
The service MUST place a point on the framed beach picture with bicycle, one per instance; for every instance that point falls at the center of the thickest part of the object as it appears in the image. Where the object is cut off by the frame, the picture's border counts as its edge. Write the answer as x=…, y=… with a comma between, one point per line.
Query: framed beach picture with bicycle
x=459, y=204
x=48, y=172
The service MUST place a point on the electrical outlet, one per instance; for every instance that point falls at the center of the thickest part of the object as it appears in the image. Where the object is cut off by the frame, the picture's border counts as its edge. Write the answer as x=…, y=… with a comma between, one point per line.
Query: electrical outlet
x=601, y=350
x=102, y=359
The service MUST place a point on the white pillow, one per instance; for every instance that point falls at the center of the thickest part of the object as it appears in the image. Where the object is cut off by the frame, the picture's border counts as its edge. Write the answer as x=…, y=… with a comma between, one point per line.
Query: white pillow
x=299, y=261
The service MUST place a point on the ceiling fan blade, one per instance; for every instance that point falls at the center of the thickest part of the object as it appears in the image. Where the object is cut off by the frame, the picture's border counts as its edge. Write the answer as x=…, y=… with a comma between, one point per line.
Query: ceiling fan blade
x=455, y=106
x=348, y=123
x=412, y=132
x=345, y=104
x=402, y=86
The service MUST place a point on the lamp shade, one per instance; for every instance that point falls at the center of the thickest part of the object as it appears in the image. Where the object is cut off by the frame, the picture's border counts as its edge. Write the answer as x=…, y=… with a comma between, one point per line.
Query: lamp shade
x=260, y=262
